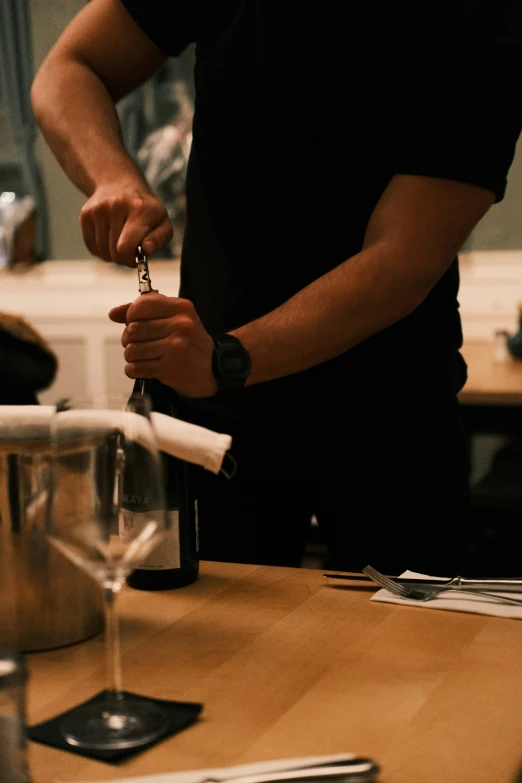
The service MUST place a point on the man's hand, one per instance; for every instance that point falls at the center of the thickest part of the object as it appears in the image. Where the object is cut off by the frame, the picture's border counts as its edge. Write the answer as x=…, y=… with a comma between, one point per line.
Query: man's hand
x=165, y=339
x=73, y=98
x=119, y=217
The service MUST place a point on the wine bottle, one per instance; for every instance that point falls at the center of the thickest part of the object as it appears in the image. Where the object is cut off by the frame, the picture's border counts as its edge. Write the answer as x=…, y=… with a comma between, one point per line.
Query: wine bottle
x=174, y=562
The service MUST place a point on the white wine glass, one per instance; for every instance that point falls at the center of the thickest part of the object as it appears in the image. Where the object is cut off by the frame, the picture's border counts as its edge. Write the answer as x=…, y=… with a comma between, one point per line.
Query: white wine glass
x=104, y=453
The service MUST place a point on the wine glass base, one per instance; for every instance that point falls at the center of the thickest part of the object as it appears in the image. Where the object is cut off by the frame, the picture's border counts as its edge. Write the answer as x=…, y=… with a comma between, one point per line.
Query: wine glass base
x=123, y=724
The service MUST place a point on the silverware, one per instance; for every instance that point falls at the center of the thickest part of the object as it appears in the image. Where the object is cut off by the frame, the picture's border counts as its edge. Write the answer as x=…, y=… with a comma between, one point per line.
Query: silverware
x=356, y=770
x=366, y=579
x=508, y=585
x=425, y=592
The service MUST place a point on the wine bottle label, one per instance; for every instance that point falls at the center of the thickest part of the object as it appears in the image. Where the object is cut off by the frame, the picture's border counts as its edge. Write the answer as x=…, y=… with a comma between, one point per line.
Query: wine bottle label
x=131, y=523
x=167, y=554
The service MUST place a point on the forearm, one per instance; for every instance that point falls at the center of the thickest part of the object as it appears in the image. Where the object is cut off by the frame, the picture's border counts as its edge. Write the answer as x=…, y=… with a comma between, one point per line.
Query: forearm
x=84, y=135
x=414, y=233
x=357, y=299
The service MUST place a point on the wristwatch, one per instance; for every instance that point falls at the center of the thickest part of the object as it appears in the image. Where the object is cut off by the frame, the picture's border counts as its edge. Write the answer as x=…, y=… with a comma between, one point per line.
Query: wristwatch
x=231, y=363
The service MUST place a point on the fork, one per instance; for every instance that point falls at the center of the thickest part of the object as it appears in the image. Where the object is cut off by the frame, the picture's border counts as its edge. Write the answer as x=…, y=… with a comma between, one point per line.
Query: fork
x=417, y=593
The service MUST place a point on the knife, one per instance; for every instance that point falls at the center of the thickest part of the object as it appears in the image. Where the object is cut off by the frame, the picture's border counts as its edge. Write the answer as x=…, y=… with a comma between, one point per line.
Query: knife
x=356, y=770
x=507, y=585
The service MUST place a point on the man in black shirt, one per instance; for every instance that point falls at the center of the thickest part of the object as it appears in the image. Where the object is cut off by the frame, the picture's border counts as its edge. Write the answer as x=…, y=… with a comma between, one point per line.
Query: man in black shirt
x=323, y=239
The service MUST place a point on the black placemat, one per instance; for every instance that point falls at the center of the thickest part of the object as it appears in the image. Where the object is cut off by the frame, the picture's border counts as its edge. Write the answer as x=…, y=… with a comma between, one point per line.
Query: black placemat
x=181, y=715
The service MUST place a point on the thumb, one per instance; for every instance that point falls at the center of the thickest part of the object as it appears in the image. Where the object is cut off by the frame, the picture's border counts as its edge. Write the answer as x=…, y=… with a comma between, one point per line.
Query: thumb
x=119, y=313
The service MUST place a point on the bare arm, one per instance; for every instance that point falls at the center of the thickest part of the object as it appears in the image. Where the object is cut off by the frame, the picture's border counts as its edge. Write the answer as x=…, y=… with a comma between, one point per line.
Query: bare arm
x=101, y=57
x=415, y=231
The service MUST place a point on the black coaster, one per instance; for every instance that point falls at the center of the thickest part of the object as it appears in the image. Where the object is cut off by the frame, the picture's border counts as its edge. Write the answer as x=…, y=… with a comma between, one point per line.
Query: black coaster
x=181, y=714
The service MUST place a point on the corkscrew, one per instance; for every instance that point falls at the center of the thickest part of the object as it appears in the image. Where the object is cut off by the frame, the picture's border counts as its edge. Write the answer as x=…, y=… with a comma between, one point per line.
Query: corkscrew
x=144, y=281
x=144, y=287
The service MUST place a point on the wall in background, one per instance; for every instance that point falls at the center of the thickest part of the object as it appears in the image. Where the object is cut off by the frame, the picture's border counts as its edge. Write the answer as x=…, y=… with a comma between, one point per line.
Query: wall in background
x=64, y=200
x=500, y=229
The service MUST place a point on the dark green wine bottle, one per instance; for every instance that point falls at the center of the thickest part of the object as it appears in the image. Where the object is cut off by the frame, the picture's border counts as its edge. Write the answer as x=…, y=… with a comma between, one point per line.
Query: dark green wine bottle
x=174, y=562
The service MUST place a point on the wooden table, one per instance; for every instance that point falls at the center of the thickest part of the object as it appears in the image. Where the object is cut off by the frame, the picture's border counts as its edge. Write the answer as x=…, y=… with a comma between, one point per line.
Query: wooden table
x=492, y=397
x=490, y=383
x=288, y=666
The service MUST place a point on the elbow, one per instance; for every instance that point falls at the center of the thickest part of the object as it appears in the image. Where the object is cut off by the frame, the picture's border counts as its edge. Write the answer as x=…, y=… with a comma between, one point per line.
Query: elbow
x=39, y=89
x=419, y=287
x=34, y=95
x=415, y=290
x=53, y=77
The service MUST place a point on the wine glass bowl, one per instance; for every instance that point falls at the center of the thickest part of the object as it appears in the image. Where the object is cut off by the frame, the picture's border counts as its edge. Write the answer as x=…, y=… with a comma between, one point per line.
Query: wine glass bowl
x=99, y=460
x=105, y=461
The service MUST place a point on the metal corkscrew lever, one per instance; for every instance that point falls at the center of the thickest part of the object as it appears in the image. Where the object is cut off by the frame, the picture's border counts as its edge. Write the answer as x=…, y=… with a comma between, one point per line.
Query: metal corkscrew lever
x=145, y=287
x=144, y=281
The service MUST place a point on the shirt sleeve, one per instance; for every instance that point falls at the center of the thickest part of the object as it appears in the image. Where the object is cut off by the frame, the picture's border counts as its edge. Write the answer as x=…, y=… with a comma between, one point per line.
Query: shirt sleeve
x=171, y=24
x=469, y=116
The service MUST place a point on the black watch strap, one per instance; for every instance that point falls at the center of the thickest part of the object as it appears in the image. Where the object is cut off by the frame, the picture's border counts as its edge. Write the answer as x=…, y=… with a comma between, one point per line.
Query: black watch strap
x=223, y=338
x=230, y=362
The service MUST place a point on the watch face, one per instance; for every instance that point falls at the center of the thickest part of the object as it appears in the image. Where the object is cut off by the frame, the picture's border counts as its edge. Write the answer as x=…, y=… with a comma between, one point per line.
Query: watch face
x=233, y=362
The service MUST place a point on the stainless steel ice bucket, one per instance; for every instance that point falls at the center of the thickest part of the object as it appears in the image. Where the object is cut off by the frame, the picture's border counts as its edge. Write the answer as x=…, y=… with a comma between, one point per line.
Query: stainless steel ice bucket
x=45, y=600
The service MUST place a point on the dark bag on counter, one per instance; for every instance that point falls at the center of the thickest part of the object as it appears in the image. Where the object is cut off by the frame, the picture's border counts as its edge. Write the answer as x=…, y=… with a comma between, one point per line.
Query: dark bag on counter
x=28, y=364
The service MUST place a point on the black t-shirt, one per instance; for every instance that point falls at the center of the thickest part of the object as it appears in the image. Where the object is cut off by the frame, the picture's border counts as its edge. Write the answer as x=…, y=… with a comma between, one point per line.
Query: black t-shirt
x=303, y=115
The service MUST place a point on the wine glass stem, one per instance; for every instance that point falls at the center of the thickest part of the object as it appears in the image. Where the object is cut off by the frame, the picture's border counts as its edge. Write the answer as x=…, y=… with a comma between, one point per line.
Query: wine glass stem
x=112, y=643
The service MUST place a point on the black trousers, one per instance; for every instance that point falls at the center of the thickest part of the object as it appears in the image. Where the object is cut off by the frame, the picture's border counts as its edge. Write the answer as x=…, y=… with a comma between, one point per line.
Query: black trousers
x=385, y=473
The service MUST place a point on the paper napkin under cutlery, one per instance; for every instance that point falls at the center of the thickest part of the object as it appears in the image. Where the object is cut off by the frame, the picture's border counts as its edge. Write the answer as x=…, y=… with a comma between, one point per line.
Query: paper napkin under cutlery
x=228, y=773
x=455, y=601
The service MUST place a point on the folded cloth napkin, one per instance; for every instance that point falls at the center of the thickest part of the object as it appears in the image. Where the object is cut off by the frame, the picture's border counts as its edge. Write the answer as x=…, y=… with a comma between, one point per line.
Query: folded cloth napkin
x=24, y=424
x=224, y=773
x=190, y=441
x=25, y=427
x=454, y=601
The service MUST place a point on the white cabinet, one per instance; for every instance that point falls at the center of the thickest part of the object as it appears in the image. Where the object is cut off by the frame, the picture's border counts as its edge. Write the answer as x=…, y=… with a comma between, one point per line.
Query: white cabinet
x=490, y=290
x=68, y=303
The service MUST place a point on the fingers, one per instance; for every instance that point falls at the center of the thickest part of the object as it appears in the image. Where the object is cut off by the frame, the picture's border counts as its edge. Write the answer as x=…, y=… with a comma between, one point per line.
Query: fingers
x=118, y=314
x=155, y=239
x=115, y=222
x=151, y=308
x=142, y=331
x=89, y=233
x=101, y=233
x=146, y=369
x=155, y=306
x=139, y=352
x=147, y=225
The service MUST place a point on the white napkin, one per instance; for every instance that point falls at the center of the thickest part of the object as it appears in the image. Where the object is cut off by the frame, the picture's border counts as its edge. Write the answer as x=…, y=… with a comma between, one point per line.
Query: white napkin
x=26, y=425
x=190, y=441
x=22, y=423
x=476, y=603
x=223, y=773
